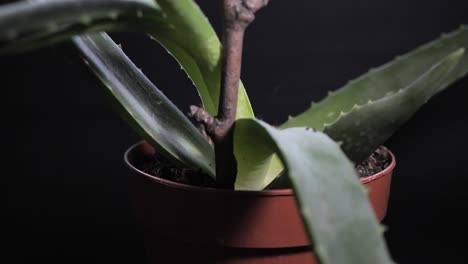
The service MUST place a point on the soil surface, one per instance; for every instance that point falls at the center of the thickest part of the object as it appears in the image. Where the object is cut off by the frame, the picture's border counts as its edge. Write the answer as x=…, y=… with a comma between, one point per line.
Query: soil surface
x=159, y=166
x=375, y=163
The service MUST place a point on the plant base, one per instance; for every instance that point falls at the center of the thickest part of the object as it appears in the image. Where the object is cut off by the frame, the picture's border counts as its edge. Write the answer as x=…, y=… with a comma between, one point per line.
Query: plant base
x=188, y=224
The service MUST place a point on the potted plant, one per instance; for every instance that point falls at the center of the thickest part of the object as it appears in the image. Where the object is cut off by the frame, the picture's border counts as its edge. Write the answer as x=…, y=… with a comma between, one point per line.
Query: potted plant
x=332, y=201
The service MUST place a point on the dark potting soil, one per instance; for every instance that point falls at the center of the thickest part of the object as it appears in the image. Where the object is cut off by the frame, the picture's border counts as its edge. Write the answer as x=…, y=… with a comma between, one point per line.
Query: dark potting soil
x=159, y=166
x=375, y=163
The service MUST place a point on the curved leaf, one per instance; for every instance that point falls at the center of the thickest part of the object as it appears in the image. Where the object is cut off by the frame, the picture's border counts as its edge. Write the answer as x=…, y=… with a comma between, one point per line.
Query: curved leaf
x=31, y=24
x=256, y=171
x=379, y=84
x=189, y=38
x=333, y=203
x=367, y=126
x=179, y=26
x=148, y=110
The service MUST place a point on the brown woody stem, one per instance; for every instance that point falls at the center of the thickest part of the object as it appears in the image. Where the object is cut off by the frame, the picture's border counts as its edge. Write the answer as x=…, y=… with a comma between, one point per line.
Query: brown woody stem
x=238, y=14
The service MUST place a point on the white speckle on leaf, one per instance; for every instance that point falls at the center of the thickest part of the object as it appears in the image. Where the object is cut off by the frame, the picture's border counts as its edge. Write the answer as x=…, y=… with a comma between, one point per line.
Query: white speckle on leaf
x=139, y=14
x=113, y=15
x=85, y=19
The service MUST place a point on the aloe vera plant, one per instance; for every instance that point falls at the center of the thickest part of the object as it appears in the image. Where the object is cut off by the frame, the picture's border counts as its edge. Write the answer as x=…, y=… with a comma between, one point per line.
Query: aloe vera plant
x=318, y=161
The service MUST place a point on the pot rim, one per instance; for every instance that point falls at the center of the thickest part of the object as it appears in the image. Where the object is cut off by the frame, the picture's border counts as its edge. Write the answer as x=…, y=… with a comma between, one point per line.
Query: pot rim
x=275, y=192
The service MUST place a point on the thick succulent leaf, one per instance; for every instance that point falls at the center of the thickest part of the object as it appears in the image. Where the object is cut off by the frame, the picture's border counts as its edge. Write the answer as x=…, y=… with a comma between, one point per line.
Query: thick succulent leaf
x=189, y=37
x=333, y=203
x=180, y=26
x=31, y=24
x=256, y=171
x=148, y=110
x=379, y=84
x=367, y=126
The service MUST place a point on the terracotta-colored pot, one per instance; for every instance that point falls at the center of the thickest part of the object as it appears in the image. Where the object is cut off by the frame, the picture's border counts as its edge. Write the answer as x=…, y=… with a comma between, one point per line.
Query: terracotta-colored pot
x=188, y=224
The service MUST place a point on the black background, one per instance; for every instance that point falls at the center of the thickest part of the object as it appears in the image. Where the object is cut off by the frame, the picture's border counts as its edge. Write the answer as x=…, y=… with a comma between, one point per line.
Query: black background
x=62, y=144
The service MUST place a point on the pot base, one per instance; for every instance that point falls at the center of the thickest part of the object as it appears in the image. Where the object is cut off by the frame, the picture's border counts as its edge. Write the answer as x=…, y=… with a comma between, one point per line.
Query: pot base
x=165, y=250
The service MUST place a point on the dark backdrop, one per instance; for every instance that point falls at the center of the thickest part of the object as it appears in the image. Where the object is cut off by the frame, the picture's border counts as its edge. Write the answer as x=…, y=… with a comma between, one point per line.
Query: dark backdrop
x=62, y=171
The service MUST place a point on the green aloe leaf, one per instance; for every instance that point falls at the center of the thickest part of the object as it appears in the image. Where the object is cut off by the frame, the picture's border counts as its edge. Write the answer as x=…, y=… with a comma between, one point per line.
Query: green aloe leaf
x=256, y=171
x=333, y=202
x=364, y=113
x=367, y=126
x=150, y=112
x=31, y=24
x=180, y=26
x=190, y=39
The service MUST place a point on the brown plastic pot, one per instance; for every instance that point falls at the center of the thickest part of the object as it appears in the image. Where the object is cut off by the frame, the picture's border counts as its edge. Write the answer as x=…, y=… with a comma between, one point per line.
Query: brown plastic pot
x=188, y=224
